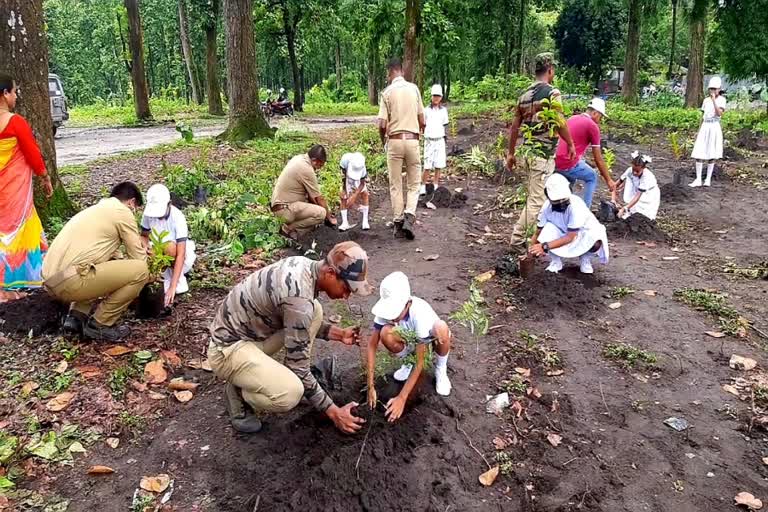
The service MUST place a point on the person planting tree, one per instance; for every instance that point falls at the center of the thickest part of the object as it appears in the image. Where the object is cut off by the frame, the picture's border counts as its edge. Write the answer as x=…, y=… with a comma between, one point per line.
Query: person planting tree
x=641, y=191
x=354, y=188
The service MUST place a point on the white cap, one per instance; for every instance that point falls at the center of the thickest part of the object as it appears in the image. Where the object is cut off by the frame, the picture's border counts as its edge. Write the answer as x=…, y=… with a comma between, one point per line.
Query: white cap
x=599, y=105
x=557, y=187
x=395, y=292
x=715, y=83
x=437, y=90
x=356, y=166
x=282, y=89
x=158, y=198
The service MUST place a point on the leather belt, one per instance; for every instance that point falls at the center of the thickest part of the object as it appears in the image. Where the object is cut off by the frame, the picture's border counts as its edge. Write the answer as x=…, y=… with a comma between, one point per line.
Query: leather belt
x=278, y=207
x=404, y=136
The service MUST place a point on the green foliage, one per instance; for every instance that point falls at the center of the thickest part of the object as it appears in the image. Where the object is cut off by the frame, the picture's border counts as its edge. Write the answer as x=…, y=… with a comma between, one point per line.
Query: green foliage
x=506, y=463
x=744, y=47
x=473, y=314
x=534, y=345
x=103, y=113
x=158, y=260
x=674, y=143
x=620, y=292
x=490, y=88
x=475, y=162
x=628, y=355
x=339, y=109
x=183, y=181
x=716, y=304
x=185, y=130
x=609, y=156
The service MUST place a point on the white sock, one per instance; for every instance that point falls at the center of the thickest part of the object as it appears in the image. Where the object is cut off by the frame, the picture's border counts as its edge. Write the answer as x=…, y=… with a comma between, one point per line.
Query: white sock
x=710, y=170
x=699, y=168
x=441, y=362
x=343, y=216
x=364, y=211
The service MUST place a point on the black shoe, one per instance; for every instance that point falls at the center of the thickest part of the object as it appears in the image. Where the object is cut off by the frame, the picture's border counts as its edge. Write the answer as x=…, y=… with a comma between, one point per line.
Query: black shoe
x=398, y=229
x=242, y=418
x=326, y=375
x=93, y=330
x=73, y=324
x=249, y=424
x=408, y=226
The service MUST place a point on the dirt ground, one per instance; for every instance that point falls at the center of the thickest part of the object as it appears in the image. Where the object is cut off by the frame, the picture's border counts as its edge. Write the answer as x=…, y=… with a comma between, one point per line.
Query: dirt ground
x=584, y=432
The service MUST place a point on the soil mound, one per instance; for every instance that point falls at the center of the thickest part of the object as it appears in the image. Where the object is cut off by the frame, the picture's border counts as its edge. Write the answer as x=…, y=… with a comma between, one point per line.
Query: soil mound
x=37, y=312
x=568, y=294
x=637, y=227
x=441, y=197
x=673, y=193
x=747, y=140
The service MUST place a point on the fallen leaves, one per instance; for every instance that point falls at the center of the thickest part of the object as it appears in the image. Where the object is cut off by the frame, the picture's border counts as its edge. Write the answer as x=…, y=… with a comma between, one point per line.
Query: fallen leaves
x=485, y=276
x=154, y=373
x=555, y=373
x=100, y=470
x=500, y=443
x=171, y=358
x=614, y=305
x=60, y=402
x=183, y=396
x=88, y=372
x=715, y=334
x=179, y=384
x=742, y=363
x=748, y=500
x=524, y=372
x=61, y=367
x=28, y=387
x=154, y=395
x=157, y=483
x=112, y=442
x=489, y=476
x=117, y=350
x=555, y=439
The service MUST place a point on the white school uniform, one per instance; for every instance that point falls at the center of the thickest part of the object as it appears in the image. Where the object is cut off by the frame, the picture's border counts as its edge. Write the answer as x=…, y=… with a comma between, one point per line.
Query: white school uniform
x=175, y=224
x=352, y=182
x=578, y=218
x=434, y=137
x=709, y=141
x=649, y=201
x=421, y=319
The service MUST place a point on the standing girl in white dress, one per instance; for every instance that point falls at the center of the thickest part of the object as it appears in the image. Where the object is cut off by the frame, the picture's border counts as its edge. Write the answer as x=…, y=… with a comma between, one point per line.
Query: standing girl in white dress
x=641, y=191
x=709, y=141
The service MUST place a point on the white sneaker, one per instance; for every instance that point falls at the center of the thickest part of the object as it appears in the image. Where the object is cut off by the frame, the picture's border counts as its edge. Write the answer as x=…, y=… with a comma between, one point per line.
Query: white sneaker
x=696, y=183
x=707, y=183
x=344, y=226
x=403, y=373
x=442, y=383
x=366, y=226
x=586, y=265
x=555, y=265
x=423, y=190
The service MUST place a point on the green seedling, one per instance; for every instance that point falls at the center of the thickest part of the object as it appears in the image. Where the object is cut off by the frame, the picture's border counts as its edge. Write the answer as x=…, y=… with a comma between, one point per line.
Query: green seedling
x=716, y=304
x=118, y=379
x=621, y=291
x=158, y=261
x=609, y=156
x=628, y=355
x=506, y=463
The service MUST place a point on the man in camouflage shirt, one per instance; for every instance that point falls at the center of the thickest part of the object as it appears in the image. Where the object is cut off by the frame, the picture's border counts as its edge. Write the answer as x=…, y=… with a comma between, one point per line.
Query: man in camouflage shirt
x=277, y=307
x=539, y=96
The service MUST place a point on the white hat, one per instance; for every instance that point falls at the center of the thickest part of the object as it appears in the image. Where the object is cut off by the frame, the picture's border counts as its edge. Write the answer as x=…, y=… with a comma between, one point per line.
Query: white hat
x=715, y=83
x=158, y=198
x=395, y=293
x=599, y=105
x=557, y=187
x=355, y=166
x=437, y=90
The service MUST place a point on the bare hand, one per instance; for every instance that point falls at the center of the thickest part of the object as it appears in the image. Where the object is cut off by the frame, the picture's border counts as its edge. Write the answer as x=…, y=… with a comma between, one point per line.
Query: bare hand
x=170, y=295
x=611, y=185
x=372, y=397
x=395, y=408
x=344, y=419
x=571, y=152
x=536, y=250
x=47, y=187
x=350, y=336
x=622, y=210
x=511, y=161
x=332, y=220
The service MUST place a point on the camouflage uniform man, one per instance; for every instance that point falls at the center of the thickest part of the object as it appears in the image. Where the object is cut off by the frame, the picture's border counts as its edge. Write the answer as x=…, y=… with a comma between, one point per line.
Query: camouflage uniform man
x=540, y=95
x=277, y=307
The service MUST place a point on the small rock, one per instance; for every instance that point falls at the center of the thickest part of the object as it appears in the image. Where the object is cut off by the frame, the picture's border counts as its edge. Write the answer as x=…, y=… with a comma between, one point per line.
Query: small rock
x=710, y=475
x=742, y=363
x=690, y=455
x=498, y=403
x=678, y=424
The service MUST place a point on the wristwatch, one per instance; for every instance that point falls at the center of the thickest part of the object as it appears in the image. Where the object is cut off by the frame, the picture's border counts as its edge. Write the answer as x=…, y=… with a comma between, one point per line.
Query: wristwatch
x=545, y=246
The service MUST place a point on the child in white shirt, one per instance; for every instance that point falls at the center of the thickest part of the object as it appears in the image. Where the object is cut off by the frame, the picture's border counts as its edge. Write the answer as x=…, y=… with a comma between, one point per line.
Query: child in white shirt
x=436, y=119
x=354, y=188
x=641, y=191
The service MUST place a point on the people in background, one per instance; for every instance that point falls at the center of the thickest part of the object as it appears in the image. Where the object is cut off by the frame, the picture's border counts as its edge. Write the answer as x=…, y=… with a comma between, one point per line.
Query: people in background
x=436, y=119
x=165, y=219
x=22, y=241
x=709, y=142
x=568, y=229
x=83, y=264
x=641, y=192
x=354, y=188
x=585, y=131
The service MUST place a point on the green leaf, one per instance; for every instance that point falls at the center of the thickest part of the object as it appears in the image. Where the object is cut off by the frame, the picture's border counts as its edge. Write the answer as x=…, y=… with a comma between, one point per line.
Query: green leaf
x=8, y=445
x=44, y=447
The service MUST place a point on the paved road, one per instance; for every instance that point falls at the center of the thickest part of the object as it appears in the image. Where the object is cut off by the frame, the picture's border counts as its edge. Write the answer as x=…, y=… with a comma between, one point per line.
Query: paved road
x=79, y=145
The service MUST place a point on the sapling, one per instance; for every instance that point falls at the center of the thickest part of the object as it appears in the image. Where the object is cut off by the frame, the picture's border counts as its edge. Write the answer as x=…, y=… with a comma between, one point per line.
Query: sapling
x=473, y=314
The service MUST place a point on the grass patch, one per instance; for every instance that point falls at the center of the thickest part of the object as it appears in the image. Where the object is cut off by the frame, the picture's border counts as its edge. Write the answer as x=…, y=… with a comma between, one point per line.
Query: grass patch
x=716, y=304
x=535, y=346
x=674, y=225
x=163, y=110
x=759, y=271
x=336, y=109
x=620, y=292
x=628, y=355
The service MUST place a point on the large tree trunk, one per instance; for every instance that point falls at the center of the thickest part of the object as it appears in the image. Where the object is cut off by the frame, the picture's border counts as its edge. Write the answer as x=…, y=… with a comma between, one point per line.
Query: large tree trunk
x=338, y=66
x=373, y=53
x=289, y=27
x=24, y=48
x=674, y=39
x=215, y=107
x=694, y=91
x=632, y=58
x=186, y=49
x=520, y=64
x=412, y=15
x=246, y=120
x=138, y=75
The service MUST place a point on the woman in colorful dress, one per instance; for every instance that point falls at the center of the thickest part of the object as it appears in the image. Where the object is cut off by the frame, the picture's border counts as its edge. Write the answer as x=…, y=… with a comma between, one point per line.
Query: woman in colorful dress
x=22, y=241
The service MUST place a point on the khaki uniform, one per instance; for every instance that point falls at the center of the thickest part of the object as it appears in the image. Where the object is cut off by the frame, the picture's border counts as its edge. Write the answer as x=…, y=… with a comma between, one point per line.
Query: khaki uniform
x=77, y=267
x=400, y=107
x=273, y=308
x=295, y=188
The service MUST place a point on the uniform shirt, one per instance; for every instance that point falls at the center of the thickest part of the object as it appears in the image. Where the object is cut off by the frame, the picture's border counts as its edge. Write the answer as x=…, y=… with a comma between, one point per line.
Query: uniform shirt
x=644, y=183
x=530, y=103
x=436, y=119
x=93, y=236
x=709, y=108
x=174, y=223
x=297, y=182
x=400, y=107
x=421, y=319
x=576, y=217
x=279, y=296
x=585, y=133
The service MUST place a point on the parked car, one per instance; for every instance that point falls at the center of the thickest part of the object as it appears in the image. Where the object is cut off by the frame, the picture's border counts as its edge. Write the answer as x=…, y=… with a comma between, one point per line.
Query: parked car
x=59, y=112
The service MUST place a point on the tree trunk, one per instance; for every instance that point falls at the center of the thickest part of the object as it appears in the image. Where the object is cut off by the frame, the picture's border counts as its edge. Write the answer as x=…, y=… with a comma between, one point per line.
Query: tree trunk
x=186, y=49
x=373, y=51
x=674, y=39
x=246, y=120
x=24, y=48
x=412, y=15
x=212, y=63
x=520, y=64
x=632, y=58
x=447, y=84
x=290, y=36
x=338, y=66
x=419, y=71
x=138, y=75
x=694, y=91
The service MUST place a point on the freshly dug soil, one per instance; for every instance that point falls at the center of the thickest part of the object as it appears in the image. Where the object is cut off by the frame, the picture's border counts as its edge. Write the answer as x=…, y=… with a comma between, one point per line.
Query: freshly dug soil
x=674, y=193
x=150, y=302
x=747, y=140
x=37, y=312
x=568, y=293
x=636, y=227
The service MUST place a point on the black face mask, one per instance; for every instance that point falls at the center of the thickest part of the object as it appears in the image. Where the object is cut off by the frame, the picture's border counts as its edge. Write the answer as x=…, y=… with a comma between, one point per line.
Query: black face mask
x=560, y=207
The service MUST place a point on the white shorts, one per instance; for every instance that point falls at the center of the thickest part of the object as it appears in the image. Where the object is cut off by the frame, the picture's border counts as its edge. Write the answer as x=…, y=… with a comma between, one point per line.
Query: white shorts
x=351, y=185
x=434, y=154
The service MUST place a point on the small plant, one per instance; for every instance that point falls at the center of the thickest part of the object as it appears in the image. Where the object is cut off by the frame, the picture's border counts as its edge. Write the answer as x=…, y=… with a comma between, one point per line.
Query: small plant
x=132, y=422
x=609, y=156
x=731, y=322
x=33, y=424
x=143, y=503
x=514, y=386
x=473, y=314
x=674, y=142
x=158, y=261
x=476, y=162
x=759, y=271
x=185, y=130
x=535, y=346
x=621, y=291
x=67, y=350
x=628, y=355
x=505, y=462
x=118, y=379
x=453, y=125
x=531, y=340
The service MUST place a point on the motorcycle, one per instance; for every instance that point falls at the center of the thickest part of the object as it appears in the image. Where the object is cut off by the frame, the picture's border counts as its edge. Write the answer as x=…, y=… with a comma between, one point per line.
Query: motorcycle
x=282, y=108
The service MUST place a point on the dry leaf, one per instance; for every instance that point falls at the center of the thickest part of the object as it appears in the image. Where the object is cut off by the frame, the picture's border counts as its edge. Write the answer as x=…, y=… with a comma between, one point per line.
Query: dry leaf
x=748, y=500
x=555, y=373
x=715, y=334
x=650, y=293
x=431, y=257
x=154, y=373
x=183, y=396
x=485, y=276
x=731, y=389
x=100, y=470
x=741, y=363
x=138, y=386
x=489, y=476
x=500, y=443
x=334, y=319
x=534, y=392
x=59, y=402
x=113, y=442
x=765, y=461
x=154, y=395
x=29, y=387
x=180, y=384
x=157, y=483
x=517, y=407
x=615, y=305
x=171, y=358
x=117, y=350
x=525, y=372
x=555, y=439
x=61, y=367
x=88, y=372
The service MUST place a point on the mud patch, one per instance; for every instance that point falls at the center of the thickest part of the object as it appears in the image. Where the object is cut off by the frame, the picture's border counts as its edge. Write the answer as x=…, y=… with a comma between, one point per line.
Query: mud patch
x=636, y=227
x=675, y=193
x=745, y=139
x=37, y=313
x=569, y=293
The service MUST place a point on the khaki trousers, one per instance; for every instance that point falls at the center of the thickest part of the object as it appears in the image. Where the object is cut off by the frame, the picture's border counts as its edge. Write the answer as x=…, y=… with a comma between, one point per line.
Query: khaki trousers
x=401, y=152
x=536, y=175
x=265, y=384
x=301, y=217
x=118, y=281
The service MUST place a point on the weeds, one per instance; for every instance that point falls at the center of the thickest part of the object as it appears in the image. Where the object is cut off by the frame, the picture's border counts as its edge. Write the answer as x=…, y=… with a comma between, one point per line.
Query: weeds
x=731, y=322
x=759, y=271
x=628, y=355
x=620, y=292
x=609, y=156
x=673, y=226
x=534, y=346
x=118, y=379
x=514, y=386
x=476, y=162
x=506, y=463
x=132, y=422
